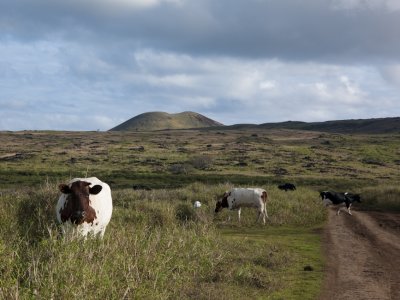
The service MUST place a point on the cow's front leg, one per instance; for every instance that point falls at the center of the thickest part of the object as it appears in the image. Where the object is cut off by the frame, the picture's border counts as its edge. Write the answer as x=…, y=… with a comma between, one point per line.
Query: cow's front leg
x=348, y=209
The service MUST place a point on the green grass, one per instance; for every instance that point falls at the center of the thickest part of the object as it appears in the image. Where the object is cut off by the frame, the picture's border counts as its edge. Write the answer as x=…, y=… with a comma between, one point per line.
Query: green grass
x=262, y=156
x=274, y=258
x=157, y=246
x=384, y=198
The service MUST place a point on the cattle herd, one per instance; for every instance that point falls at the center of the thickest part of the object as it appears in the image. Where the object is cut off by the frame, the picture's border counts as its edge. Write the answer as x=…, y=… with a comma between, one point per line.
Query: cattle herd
x=85, y=204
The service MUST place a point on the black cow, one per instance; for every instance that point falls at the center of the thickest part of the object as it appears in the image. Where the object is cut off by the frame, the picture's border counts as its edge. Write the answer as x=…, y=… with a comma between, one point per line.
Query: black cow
x=287, y=186
x=336, y=198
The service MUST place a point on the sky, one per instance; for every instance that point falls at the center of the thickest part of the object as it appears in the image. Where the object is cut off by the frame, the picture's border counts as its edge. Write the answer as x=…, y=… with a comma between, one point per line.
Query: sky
x=93, y=64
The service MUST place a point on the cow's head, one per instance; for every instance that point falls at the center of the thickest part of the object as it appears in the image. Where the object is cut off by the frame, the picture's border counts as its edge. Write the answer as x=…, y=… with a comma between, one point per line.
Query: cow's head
x=77, y=207
x=222, y=202
x=323, y=194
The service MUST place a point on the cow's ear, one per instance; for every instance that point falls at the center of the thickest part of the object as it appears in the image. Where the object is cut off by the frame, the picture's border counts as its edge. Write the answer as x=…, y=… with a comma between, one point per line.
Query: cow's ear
x=64, y=188
x=95, y=189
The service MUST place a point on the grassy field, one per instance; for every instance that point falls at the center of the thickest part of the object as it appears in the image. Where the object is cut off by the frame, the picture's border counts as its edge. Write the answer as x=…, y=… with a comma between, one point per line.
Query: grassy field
x=167, y=159
x=157, y=245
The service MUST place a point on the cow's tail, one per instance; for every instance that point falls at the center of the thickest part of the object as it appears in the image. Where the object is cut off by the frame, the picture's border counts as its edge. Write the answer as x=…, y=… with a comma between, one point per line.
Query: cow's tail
x=264, y=197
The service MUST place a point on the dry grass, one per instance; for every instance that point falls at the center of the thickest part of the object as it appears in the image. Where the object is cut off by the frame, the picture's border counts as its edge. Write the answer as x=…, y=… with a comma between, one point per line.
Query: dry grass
x=155, y=238
x=175, y=158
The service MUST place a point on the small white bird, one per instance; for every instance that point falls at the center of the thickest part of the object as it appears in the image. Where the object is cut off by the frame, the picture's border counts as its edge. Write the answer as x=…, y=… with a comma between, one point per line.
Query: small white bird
x=197, y=204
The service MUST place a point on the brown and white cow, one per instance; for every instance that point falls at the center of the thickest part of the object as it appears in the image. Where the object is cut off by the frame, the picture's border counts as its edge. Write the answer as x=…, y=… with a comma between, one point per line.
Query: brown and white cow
x=237, y=198
x=84, y=207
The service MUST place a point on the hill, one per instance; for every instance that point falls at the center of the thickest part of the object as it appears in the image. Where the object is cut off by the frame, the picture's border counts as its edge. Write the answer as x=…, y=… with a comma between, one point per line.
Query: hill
x=380, y=125
x=151, y=121
x=367, y=126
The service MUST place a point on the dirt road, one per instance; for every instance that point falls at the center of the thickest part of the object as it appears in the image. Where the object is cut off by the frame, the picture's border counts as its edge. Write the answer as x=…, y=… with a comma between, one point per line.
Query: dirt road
x=363, y=256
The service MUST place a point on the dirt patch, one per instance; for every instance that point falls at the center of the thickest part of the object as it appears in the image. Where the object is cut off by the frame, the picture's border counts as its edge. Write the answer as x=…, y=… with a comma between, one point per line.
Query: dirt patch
x=363, y=256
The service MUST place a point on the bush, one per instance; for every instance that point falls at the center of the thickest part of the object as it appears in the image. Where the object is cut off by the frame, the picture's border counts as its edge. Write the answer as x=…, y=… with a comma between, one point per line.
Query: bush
x=202, y=162
x=180, y=169
x=185, y=213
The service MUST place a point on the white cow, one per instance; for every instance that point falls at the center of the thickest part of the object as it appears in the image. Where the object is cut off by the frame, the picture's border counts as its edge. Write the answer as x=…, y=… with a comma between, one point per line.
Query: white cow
x=237, y=198
x=84, y=207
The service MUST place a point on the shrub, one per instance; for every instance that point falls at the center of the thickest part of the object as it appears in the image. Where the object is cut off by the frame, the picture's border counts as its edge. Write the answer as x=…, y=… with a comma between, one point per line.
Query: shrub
x=185, y=212
x=202, y=162
x=180, y=169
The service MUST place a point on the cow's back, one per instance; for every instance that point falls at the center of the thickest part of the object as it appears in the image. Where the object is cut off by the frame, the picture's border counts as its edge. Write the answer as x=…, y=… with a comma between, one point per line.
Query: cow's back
x=246, y=196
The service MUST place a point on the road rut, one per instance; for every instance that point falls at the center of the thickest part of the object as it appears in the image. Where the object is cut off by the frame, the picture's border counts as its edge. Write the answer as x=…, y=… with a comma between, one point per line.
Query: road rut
x=362, y=256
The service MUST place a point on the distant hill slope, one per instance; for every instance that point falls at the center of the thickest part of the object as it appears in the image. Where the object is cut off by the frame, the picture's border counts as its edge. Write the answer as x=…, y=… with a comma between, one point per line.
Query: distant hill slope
x=380, y=125
x=377, y=126
x=151, y=121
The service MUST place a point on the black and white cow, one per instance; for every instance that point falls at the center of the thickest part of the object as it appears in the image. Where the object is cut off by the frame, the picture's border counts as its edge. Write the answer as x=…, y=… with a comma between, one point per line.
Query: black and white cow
x=287, y=186
x=335, y=198
x=237, y=198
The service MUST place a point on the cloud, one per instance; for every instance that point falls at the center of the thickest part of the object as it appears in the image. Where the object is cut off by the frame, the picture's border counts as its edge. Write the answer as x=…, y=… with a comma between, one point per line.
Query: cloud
x=391, y=73
x=390, y=5
x=285, y=29
x=117, y=7
x=98, y=63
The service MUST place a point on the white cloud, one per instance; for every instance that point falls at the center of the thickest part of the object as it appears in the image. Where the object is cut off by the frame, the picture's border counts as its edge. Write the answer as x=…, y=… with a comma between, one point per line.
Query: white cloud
x=391, y=5
x=236, y=91
x=172, y=80
x=267, y=85
x=110, y=7
x=391, y=73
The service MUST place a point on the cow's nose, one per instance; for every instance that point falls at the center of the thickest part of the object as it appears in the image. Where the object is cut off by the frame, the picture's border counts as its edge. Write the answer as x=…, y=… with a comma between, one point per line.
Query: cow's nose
x=78, y=215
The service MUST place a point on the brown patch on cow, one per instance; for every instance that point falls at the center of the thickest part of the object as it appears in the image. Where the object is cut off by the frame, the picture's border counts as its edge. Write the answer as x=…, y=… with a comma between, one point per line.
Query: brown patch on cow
x=77, y=207
x=66, y=211
x=264, y=197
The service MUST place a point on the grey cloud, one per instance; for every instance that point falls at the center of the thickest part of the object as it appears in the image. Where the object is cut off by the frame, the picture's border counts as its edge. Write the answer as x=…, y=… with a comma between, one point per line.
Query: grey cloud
x=391, y=73
x=81, y=66
x=297, y=30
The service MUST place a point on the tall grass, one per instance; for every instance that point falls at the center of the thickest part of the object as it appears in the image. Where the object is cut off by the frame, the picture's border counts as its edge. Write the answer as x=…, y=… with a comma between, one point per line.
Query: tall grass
x=302, y=207
x=386, y=197
x=146, y=246
x=157, y=246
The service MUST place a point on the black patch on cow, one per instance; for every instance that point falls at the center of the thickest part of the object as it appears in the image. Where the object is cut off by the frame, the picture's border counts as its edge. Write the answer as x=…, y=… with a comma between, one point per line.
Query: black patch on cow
x=223, y=202
x=95, y=189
